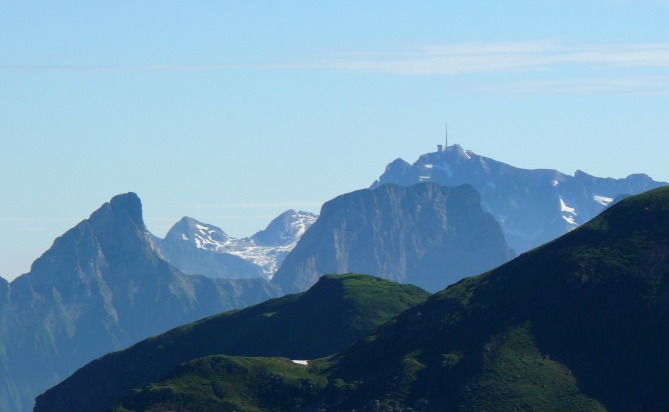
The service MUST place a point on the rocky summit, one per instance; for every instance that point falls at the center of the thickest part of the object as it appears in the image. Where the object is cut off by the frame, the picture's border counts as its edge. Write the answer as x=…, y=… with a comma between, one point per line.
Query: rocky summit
x=532, y=206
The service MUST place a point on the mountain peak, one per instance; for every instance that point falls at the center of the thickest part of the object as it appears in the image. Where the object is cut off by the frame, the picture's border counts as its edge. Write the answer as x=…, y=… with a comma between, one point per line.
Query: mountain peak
x=121, y=209
x=114, y=228
x=130, y=205
x=203, y=234
x=285, y=229
x=532, y=206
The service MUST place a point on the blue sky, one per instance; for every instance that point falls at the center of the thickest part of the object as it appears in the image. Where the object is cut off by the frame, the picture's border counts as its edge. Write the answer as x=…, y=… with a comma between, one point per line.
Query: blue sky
x=232, y=112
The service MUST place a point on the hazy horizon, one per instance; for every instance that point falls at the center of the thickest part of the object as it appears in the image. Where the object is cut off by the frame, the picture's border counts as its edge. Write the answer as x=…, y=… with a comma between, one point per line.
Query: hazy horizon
x=232, y=113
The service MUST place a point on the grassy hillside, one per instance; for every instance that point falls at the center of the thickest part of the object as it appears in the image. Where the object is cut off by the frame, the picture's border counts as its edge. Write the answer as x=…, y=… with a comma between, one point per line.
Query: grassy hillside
x=579, y=324
x=227, y=383
x=332, y=315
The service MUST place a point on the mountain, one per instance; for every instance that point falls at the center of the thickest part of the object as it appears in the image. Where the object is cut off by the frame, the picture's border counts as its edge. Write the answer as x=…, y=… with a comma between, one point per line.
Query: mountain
x=581, y=323
x=533, y=206
x=426, y=234
x=285, y=230
x=100, y=287
x=198, y=248
x=330, y=316
x=191, y=247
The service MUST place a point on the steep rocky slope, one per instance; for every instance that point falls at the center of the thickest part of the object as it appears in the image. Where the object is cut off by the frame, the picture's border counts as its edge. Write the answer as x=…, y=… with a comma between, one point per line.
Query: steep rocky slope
x=99, y=288
x=426, y=234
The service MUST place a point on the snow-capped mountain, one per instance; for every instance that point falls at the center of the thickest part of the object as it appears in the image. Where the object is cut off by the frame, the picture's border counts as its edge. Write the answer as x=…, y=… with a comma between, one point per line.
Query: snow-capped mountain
x=533, y=206
x=190, y=245
x=285, y=230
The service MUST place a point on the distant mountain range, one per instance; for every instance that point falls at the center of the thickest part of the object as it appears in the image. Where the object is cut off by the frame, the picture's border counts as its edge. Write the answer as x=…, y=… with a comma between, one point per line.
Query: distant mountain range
x=108, y=283
x=533, y=206
x=581, y=323
x=199, y=248
x=426, y=234
x=101, y=287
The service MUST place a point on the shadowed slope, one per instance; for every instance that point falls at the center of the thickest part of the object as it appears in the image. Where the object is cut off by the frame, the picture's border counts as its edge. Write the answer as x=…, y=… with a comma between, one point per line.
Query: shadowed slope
x=333, y=314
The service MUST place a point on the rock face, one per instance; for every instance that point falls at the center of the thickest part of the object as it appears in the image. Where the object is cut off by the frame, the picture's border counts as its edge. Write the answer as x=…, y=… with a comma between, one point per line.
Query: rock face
x=533, y=206
x=99, y=288
x=426, y=234
x=199, y=248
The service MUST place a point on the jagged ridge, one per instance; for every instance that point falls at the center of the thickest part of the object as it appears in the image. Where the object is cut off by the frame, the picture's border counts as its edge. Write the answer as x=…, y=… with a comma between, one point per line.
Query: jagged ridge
x=532, y=206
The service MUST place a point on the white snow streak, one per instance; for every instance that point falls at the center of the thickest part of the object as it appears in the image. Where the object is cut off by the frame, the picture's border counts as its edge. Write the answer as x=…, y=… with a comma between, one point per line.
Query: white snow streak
x=604, y=201
x=565, y=208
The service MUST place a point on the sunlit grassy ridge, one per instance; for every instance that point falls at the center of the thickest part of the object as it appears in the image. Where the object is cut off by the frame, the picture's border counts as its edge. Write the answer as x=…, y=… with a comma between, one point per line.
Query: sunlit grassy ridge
x=332, y=315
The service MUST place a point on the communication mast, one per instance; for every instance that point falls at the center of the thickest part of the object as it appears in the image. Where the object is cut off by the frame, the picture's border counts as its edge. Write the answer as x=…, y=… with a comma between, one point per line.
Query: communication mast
x=441, y=148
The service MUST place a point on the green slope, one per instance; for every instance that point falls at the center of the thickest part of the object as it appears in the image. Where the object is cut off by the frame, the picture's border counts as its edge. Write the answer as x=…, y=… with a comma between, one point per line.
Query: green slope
x=579, y=324
x=230, y=383
x=332, y=315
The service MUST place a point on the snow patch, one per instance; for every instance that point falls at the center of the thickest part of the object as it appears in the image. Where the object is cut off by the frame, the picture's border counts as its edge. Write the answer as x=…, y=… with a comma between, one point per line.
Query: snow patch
x=569, y=220
x=184, y=237
x=429, y=166
x=602, y=200
x=301, y=362
x=565, y=208
x=554, y=183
